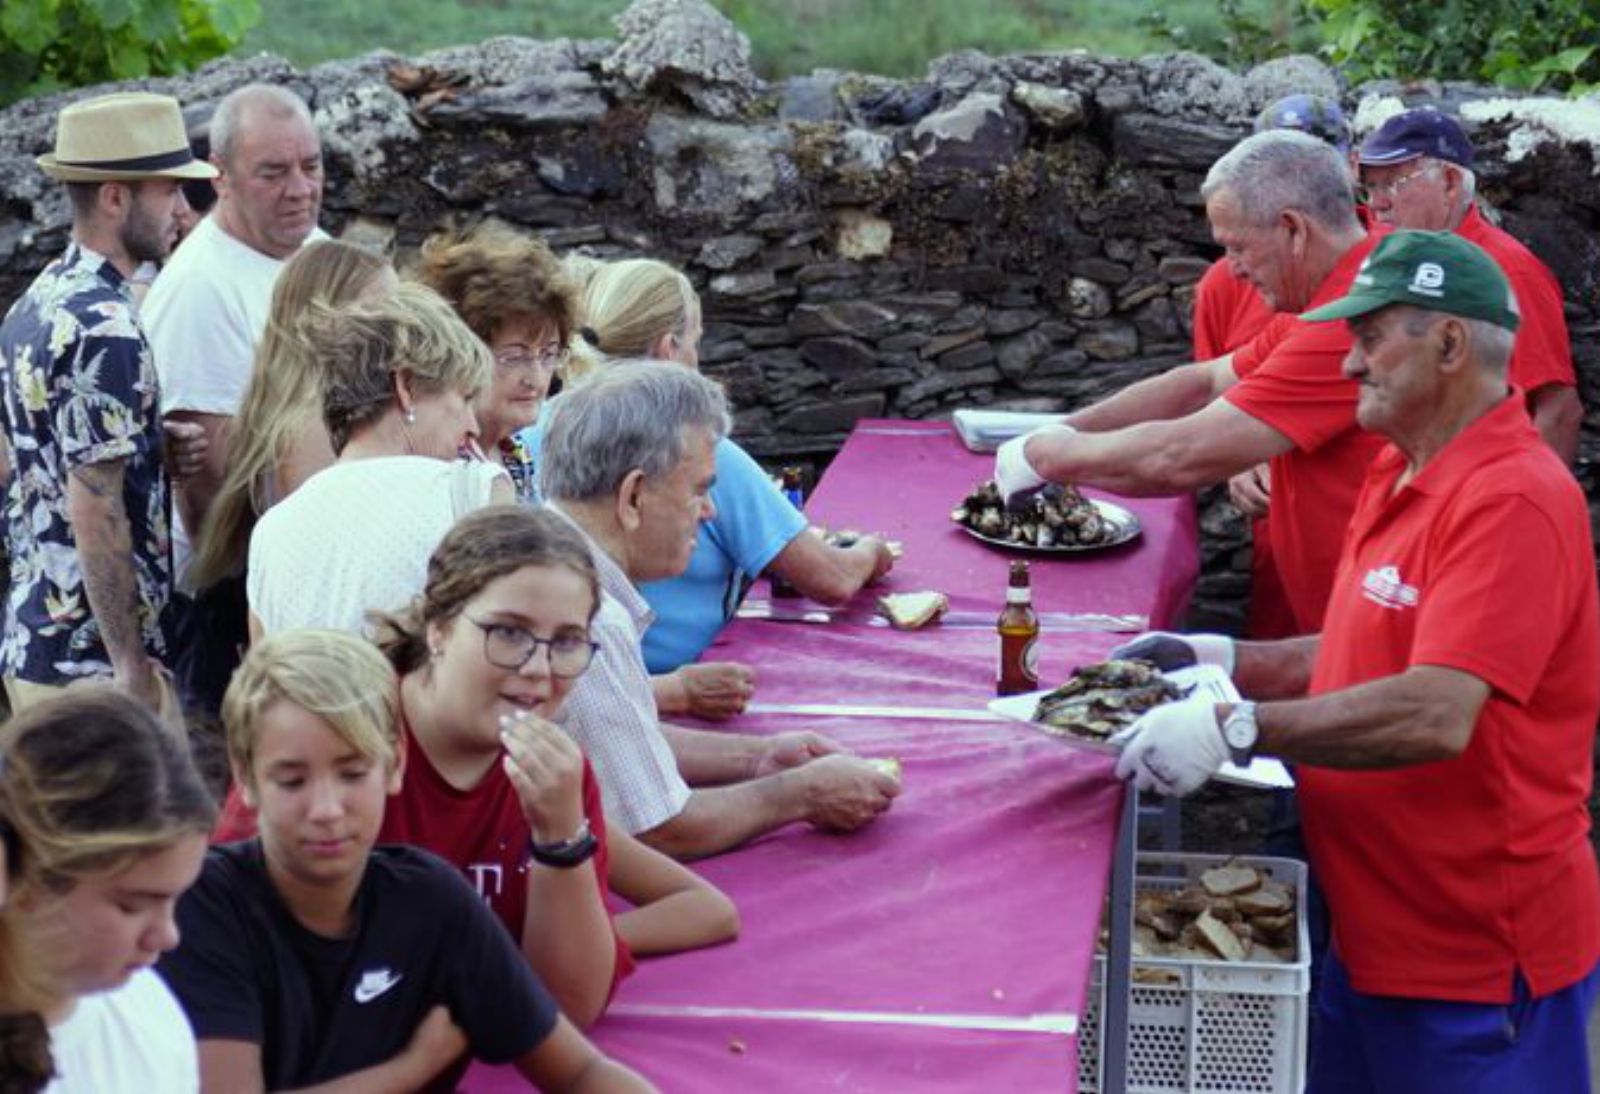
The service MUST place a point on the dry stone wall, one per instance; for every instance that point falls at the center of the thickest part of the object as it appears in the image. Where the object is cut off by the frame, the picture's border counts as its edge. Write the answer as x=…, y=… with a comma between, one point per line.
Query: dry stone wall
x=1021, y=231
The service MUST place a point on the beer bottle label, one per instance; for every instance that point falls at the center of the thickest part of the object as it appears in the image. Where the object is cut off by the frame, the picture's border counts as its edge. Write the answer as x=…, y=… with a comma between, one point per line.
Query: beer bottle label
x=1030, y=660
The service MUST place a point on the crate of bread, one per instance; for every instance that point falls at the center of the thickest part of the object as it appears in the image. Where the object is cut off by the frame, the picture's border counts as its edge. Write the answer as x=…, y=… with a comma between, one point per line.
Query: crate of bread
x=1221, y=979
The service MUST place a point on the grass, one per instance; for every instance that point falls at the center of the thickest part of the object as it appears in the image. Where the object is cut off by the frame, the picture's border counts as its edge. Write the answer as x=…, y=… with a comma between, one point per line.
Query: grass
x=890, y=37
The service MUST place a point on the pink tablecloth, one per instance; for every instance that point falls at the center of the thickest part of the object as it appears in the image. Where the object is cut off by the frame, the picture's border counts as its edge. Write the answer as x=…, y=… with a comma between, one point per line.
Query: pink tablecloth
x=903, y=478
x=947, y=947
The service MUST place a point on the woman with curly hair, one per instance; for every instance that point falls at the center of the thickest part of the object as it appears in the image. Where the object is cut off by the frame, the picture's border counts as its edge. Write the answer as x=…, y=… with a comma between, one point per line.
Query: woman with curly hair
x=515, y=296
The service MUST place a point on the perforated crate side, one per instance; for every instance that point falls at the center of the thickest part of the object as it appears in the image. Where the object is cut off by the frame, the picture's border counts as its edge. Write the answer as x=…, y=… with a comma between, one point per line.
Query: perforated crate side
x=1221, y=1028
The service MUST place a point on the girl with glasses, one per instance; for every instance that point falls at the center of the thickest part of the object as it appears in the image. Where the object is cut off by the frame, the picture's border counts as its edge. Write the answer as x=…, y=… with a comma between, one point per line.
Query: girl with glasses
x=485, y=657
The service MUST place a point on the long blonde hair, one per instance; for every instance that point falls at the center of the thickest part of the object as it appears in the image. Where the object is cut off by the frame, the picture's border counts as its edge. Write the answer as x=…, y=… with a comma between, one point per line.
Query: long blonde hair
x=627, y=306
x=283, y=398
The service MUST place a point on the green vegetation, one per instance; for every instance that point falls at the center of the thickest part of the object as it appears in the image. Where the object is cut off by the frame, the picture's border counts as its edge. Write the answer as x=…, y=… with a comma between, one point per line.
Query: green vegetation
x=1528, y=44
x=891, y=37
x=46, y=45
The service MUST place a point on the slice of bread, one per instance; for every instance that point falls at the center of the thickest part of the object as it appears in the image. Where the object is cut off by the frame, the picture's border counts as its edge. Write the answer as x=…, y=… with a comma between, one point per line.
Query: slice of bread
x=908, y=611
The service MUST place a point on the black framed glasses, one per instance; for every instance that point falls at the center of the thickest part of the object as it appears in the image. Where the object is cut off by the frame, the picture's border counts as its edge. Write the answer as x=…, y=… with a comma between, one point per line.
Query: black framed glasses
x=508, y=646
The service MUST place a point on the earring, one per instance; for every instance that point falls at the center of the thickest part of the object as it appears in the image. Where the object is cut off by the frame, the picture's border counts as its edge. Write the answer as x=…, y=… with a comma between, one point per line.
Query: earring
x=411, y=416
x=434, y=653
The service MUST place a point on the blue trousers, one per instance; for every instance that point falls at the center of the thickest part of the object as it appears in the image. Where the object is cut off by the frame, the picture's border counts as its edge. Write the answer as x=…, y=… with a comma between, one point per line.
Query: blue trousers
x=1374, y=1044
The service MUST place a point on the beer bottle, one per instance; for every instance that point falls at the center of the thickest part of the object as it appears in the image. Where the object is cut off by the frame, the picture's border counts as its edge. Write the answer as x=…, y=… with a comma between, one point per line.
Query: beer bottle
x=792, y=480
x=1019, y=636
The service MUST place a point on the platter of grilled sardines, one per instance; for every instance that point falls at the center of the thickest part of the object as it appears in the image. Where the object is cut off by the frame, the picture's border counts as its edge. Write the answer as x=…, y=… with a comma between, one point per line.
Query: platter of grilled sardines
x=1055, y=520
x=1096, y=701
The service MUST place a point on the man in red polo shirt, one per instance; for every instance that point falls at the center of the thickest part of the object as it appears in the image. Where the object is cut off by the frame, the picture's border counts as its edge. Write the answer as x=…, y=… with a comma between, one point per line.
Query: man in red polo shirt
x=1416, y=170
x=1445, y=740
x=1282, y=206
x=1228, y=313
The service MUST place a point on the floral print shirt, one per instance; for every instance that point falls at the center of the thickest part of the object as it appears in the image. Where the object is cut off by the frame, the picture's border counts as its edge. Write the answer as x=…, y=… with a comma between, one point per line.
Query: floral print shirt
x=77, y=387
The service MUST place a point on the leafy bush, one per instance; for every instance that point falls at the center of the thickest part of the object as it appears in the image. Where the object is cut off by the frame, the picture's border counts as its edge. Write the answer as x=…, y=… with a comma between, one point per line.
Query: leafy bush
x=1525, y=44
x=46, y=45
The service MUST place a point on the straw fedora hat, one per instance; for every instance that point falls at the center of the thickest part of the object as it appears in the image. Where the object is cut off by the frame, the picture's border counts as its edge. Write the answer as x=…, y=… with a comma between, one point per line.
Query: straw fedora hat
x=131, y=135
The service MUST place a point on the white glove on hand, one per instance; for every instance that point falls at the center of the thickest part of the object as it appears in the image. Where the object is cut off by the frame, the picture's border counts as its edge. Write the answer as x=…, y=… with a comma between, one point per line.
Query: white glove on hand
x=1013, y=474
x=1172, y=749
x=1178, y=651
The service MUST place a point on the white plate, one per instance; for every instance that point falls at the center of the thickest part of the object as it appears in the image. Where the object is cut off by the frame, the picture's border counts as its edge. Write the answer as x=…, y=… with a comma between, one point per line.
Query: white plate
x=1209, y=682
x=1124, y=527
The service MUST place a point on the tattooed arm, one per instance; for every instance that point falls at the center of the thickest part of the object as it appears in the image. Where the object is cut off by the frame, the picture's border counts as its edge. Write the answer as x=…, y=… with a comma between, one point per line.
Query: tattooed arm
x=105, y=554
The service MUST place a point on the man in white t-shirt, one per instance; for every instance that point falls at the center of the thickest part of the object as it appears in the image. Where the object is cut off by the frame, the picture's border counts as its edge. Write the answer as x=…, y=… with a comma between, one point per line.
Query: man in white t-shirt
x=209, y=306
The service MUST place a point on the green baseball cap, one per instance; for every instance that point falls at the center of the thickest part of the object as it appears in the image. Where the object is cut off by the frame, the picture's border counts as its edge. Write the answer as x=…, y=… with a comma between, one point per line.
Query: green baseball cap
x=1439, y=271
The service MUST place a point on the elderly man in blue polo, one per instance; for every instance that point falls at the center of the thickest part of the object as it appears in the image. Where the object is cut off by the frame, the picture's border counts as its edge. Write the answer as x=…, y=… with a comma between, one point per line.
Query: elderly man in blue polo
x=1443, y=722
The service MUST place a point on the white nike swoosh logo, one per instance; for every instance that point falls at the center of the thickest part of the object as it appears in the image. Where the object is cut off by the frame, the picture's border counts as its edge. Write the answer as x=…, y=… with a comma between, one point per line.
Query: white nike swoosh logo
x=367, y=991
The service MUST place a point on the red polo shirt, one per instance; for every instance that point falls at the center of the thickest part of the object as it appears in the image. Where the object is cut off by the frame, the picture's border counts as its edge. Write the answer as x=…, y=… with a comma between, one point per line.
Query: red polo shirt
x=1444, y=878
x=1543, y=352
x=1290, y=378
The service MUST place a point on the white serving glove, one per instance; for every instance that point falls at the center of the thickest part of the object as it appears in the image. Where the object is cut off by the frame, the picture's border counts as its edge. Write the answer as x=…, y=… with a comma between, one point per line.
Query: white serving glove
x=1168, y=651
x=1172, y=749
x=1013, y=474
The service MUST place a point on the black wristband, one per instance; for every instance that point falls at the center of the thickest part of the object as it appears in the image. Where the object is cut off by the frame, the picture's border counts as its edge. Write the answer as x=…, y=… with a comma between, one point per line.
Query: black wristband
x=567, y=853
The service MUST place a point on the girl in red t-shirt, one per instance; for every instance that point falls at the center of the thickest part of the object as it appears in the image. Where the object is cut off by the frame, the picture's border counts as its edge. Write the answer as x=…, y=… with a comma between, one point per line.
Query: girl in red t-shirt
x=486, y=655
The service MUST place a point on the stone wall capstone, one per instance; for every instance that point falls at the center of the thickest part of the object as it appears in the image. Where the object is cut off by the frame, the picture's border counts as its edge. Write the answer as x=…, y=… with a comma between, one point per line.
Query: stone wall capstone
x=1020, y=231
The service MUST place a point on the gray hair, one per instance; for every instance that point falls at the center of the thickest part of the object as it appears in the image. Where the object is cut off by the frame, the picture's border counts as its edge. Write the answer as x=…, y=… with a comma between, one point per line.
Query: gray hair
x=631, y=415
x=1491, y=343
x=277, y=102
x=1283, y=169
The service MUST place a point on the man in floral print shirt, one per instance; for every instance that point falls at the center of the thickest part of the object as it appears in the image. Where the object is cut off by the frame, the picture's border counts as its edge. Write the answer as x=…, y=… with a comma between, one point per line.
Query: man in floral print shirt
x=86, y=506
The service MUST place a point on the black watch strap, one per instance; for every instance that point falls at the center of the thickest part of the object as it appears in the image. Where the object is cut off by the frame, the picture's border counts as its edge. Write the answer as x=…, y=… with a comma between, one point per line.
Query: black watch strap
x=567, y=853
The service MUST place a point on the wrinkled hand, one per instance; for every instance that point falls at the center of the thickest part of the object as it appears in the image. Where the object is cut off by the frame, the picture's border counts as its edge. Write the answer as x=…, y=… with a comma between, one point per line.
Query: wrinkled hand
x=844, y=793
x=1172, y=749
x=545, y=767
x=1251, y=490
x=797, y=749
x=1014, y=474
x=717, y=690
x=1169, y=651
x=437, y=1042
x=184, y=451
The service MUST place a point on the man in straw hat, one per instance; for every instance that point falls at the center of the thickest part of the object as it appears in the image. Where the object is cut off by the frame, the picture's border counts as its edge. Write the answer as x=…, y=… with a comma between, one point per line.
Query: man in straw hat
x=1443, y=720
x=86, y=512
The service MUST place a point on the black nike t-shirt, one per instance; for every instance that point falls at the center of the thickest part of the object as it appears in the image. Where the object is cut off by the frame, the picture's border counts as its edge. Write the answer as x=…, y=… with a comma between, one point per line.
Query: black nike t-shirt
x=320, y=1008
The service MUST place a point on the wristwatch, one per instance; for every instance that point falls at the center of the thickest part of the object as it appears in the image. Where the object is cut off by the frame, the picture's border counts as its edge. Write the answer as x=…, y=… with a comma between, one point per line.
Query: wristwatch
x=1239, y=732
x=567, y=853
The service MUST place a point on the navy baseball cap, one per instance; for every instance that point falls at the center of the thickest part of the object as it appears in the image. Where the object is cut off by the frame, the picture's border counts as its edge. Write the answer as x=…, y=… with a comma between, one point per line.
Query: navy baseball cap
x=1313, y=114
x=1421, y=132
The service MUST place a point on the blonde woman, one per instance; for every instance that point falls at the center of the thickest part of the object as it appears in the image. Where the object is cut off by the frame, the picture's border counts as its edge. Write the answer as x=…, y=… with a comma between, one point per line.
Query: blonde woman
x=279, y=439
x=644, y=308
x=313, y=956
x=402, y=374
x=514, y=295
x=108, y=819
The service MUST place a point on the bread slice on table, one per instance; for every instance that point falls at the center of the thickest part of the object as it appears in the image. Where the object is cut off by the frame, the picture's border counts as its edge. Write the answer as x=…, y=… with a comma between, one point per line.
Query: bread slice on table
x=908, y=611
